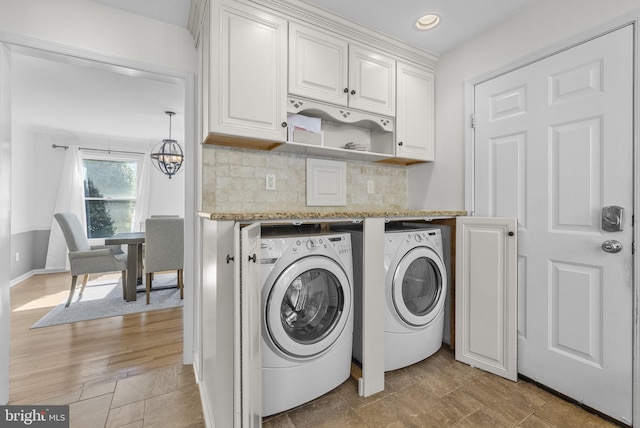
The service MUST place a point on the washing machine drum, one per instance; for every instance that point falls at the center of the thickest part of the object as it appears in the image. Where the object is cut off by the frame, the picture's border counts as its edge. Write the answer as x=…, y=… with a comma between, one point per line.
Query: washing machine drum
x=418, y=286
x=308, y=306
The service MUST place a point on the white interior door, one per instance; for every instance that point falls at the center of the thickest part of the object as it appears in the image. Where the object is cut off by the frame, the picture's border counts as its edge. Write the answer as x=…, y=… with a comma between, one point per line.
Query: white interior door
x=553, y=147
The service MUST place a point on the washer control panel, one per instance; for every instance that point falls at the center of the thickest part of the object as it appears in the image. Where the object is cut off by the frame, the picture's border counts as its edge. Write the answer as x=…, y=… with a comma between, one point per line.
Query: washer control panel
x=421, y=236
x=341, y=244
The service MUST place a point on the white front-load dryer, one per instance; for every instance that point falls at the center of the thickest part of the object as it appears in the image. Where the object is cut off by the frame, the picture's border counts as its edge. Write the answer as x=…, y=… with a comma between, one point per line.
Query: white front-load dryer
x=307, y=320
x=415, y=288
x=415, y=292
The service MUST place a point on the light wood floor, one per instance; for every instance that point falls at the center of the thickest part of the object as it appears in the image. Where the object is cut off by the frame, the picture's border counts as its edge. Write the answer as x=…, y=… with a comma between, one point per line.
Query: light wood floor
x=51, y=361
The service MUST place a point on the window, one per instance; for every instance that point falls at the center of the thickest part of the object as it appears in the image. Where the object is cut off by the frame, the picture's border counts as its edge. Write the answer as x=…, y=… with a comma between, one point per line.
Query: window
x=110, y=191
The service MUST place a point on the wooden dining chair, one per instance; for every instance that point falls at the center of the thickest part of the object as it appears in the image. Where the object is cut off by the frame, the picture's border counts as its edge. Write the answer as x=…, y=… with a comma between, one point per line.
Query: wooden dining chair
x=164, y=250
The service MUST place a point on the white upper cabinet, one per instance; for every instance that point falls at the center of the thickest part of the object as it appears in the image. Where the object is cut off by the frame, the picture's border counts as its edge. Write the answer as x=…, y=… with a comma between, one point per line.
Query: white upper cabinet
x=372, y=81
x=248, y=73
x=318, y=65
x=327, y=68
x=415, y=116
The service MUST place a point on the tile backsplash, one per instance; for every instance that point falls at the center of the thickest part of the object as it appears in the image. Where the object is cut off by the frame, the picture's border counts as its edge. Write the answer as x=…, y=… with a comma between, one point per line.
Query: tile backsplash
x=234, y=181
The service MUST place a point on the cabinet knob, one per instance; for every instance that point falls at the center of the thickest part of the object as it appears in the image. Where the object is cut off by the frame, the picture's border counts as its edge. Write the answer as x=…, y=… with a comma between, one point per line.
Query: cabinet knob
x=353, y=92
x=346, y=90
x=400, y=143
x=284, y=124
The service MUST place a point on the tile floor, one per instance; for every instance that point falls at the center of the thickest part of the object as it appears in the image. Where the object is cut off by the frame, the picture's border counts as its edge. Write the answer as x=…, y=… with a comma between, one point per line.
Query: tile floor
x=162, y=398
x=439, y=392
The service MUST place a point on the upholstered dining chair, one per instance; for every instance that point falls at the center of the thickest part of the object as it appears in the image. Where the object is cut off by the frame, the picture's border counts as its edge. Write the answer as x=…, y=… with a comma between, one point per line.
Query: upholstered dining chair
x=86, y=259
x=164, y=249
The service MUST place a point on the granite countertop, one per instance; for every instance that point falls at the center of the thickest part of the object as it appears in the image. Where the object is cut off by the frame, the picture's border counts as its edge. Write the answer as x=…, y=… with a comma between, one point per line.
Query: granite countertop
x=333, y=215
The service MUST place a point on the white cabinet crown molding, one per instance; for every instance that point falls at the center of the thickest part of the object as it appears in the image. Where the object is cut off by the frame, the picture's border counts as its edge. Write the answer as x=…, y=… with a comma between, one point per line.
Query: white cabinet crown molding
x=295, y=10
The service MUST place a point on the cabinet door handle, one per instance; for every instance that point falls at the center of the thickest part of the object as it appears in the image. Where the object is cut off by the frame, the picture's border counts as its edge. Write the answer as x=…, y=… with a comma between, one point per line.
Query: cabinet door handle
x=229, y=258
x=284, y=124
x=346, y=90
x=400, y=143
x=253, y=258
x=353, y=92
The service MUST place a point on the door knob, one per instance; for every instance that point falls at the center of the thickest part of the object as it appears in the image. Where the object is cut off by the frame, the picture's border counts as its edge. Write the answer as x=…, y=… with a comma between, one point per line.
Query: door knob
x=612, y=246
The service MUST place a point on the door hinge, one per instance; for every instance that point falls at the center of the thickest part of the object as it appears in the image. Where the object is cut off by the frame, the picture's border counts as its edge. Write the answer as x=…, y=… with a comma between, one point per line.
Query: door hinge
x=473, y=120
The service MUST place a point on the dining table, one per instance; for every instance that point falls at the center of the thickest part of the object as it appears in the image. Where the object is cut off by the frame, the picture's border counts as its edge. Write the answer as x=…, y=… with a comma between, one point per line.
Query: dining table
x=134, y=242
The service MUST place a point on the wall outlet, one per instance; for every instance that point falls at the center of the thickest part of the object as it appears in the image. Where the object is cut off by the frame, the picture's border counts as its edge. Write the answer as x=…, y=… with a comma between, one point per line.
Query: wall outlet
x=371, y=188
x=17, y=256
x=271, y=182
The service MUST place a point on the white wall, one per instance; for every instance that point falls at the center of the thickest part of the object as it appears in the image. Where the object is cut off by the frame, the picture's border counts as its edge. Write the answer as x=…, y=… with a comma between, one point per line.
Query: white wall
x=33, y=196
x=99, y=29
x=5, y=214
x=544, y=24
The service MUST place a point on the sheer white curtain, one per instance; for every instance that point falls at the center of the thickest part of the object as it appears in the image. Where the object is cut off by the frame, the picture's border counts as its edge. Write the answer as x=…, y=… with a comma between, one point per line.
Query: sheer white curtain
x=70, y=199
x=142, y=200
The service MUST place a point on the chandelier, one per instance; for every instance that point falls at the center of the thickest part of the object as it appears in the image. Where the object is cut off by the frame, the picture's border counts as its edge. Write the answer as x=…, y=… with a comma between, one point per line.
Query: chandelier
x=167, y=156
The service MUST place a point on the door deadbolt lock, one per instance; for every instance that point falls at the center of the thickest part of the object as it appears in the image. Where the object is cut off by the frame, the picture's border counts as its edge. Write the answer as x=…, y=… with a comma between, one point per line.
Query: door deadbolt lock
x=612, y=218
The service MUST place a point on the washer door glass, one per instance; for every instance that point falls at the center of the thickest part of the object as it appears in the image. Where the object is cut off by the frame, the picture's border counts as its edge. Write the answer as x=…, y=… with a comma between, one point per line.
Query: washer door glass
x=418, y=289
x=308, y=306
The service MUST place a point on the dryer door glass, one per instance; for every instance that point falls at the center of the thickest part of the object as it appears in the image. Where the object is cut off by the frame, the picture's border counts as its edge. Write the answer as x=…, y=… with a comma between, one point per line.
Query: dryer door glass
x=308, y=306
x=421, y=286
x=311, y=306
x=418, y=286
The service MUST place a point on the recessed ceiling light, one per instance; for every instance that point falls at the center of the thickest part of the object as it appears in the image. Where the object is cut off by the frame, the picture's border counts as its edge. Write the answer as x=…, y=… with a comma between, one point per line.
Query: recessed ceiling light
x=427, y=22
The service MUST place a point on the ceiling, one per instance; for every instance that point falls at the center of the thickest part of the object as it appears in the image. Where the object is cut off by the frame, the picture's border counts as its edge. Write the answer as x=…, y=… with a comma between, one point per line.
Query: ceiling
x=85, y=98
x=460, y=19
x=90, y=100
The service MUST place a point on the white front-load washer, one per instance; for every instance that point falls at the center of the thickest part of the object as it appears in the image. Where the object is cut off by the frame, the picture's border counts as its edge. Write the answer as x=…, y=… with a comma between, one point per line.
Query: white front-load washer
x=307, y=320
x=415, y=293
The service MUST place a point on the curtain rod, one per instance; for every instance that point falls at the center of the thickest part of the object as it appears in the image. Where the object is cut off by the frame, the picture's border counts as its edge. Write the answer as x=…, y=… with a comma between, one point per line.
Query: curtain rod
x=55, y=146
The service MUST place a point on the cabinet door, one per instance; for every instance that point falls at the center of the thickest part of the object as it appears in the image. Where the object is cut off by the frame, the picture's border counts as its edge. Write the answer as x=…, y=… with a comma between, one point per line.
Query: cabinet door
x=414, y=118
x=372, y=81
x=318, y=65
x=486, y=294
x=249, y=302
x=248, y=81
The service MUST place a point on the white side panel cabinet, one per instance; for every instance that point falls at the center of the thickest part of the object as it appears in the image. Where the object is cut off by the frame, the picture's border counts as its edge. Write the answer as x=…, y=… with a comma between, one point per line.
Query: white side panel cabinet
x=218, y=285
x=248, y=80
x=486, y=294
x=231, y=384
x=415, y=113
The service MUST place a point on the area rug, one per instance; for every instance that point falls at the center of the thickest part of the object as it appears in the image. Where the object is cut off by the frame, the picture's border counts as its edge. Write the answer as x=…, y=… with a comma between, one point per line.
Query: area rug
x=103, y=299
